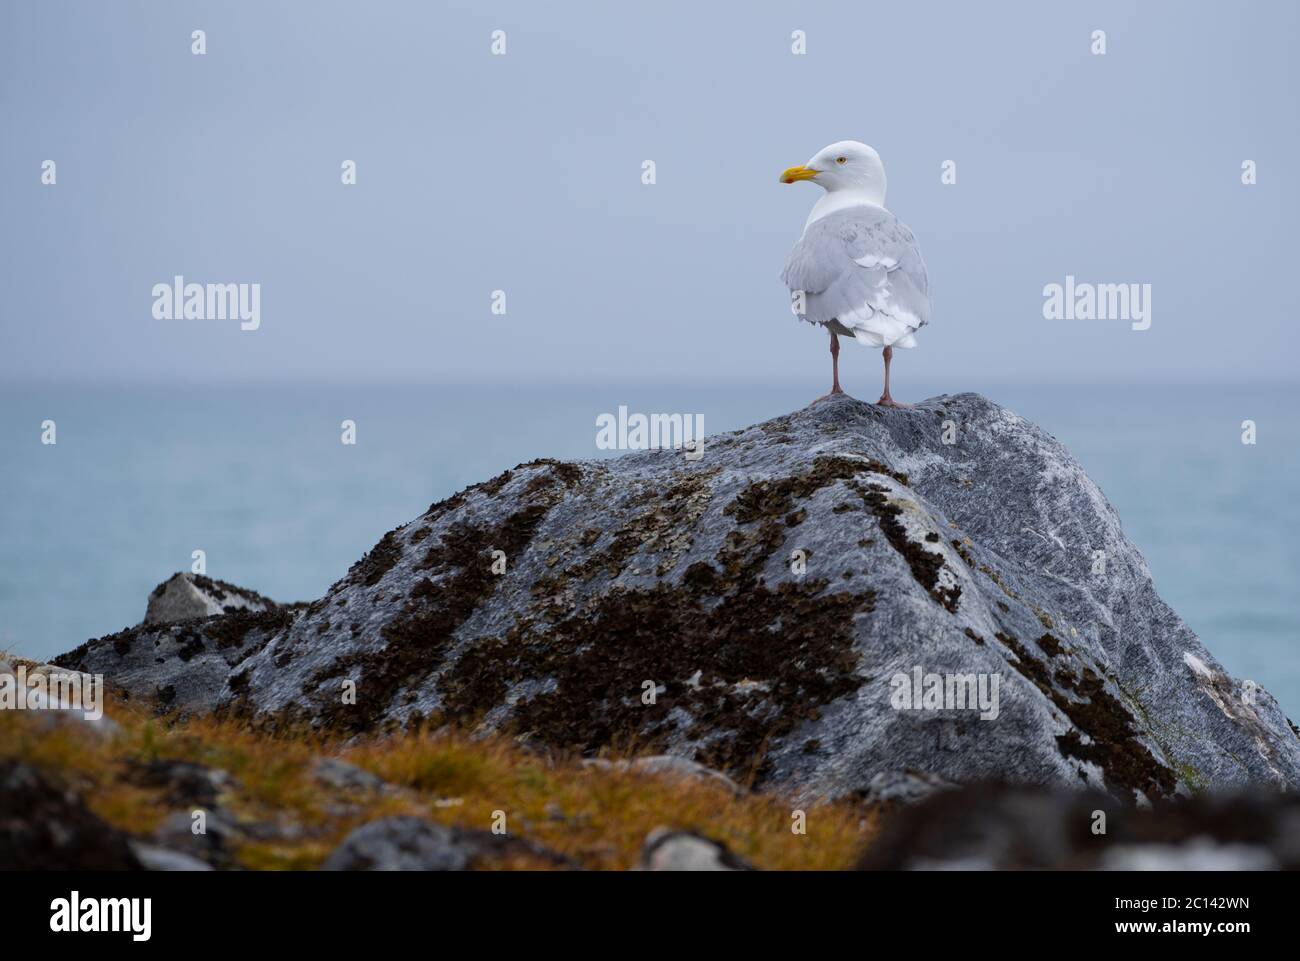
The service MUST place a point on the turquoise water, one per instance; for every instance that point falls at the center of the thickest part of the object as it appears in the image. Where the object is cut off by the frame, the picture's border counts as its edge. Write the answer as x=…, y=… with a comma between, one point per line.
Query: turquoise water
x=258, y=479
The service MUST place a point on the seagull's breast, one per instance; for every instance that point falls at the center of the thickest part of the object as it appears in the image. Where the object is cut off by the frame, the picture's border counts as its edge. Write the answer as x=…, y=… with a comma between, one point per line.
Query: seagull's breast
x=834, y=200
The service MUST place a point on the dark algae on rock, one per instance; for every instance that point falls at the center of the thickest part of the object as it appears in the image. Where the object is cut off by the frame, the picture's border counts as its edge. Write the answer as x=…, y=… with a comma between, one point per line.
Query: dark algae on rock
x=741, y=693
x=749, y=610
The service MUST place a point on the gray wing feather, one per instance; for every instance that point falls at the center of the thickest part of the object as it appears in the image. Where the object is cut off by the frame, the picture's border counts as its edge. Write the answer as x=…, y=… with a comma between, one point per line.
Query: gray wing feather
x=856, y=261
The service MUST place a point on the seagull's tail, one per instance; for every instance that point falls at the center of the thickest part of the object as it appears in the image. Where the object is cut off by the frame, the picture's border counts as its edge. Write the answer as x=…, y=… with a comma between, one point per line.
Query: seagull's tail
x=881, y=330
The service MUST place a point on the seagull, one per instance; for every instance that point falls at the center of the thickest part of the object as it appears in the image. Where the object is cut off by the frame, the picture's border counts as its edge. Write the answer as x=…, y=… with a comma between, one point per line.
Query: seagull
x=857, y=269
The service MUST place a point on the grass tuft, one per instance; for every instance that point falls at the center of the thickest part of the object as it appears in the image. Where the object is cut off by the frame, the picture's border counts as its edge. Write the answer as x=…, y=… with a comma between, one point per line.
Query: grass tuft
x=597, y=816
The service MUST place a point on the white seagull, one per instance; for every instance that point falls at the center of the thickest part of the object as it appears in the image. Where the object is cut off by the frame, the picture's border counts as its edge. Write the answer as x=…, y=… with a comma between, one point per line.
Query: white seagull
x=856, y=270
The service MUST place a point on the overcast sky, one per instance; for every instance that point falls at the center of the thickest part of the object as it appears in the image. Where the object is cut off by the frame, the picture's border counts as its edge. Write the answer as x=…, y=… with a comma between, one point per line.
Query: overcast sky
x=523, y=173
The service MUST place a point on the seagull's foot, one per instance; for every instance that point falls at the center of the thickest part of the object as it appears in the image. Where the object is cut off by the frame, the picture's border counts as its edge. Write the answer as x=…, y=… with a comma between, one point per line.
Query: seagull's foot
x=834, y=391
x=887, y=401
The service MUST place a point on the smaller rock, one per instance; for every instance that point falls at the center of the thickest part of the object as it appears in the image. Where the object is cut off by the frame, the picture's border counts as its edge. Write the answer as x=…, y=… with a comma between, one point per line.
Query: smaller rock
x=400, y=844
x=669, y=850
x=57, y=695
x=155, y=858
x=413, y=844
x=213, y=847
x=184, y=596
x=54, y=668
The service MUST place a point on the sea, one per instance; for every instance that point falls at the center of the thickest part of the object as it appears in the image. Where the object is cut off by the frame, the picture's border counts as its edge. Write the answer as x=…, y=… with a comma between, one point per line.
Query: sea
x=257, y=477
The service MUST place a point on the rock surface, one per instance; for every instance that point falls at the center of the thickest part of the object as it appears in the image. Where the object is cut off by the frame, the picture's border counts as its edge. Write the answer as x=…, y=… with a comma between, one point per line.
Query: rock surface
x=184, y=596
x=413, y=844
x=998, y=827
x=46, y=827
x=771, y=594
x=155, y=858
x=183, y=666
x=54, y=695
x=400, y=844
x=903, y=787
x=668, y=850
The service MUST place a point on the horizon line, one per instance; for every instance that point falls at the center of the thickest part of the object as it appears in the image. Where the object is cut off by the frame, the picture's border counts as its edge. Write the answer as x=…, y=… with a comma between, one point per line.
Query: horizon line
x=569, y=382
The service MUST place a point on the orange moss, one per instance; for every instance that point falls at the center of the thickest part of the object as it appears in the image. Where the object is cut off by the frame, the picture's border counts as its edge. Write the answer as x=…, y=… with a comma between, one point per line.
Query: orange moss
x=597, y=816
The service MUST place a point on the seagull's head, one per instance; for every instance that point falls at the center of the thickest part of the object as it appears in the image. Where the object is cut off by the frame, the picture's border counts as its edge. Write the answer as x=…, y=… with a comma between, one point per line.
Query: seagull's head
x=846, y=165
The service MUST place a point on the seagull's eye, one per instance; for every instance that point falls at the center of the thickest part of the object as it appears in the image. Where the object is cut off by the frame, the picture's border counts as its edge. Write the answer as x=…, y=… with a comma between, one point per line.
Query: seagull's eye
x=841, y=160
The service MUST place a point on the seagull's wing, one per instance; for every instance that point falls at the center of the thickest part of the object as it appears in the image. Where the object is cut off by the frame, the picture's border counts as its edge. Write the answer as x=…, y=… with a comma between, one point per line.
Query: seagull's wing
x=861, y=267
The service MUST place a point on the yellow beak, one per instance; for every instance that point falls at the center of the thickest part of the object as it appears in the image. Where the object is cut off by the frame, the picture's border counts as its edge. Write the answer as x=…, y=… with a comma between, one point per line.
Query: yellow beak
x=798, y=173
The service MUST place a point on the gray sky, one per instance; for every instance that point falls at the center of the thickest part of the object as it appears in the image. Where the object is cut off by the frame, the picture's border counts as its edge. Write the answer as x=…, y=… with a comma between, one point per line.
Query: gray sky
x=523, y=173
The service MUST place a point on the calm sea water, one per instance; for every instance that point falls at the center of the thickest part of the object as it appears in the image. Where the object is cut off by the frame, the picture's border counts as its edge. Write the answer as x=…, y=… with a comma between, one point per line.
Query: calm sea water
x=257, y=478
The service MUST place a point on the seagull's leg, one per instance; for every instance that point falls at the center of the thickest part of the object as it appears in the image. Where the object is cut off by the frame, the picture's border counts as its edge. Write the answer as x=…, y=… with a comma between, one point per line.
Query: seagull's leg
x=885, y=399
x=835, y=369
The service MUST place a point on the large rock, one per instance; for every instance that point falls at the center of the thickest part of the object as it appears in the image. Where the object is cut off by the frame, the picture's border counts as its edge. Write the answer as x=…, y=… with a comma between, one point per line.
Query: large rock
x=45, y=826
x=774, y=594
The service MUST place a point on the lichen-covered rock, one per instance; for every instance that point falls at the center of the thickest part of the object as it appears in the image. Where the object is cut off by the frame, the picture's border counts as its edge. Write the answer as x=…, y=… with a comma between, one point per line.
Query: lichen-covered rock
x=195, y=630
x=762, y=610
x=184, y=596
x=183, y=666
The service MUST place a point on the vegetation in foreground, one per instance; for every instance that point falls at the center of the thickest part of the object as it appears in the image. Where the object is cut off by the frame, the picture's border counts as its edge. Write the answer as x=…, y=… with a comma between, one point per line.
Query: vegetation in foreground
x=598, y=817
